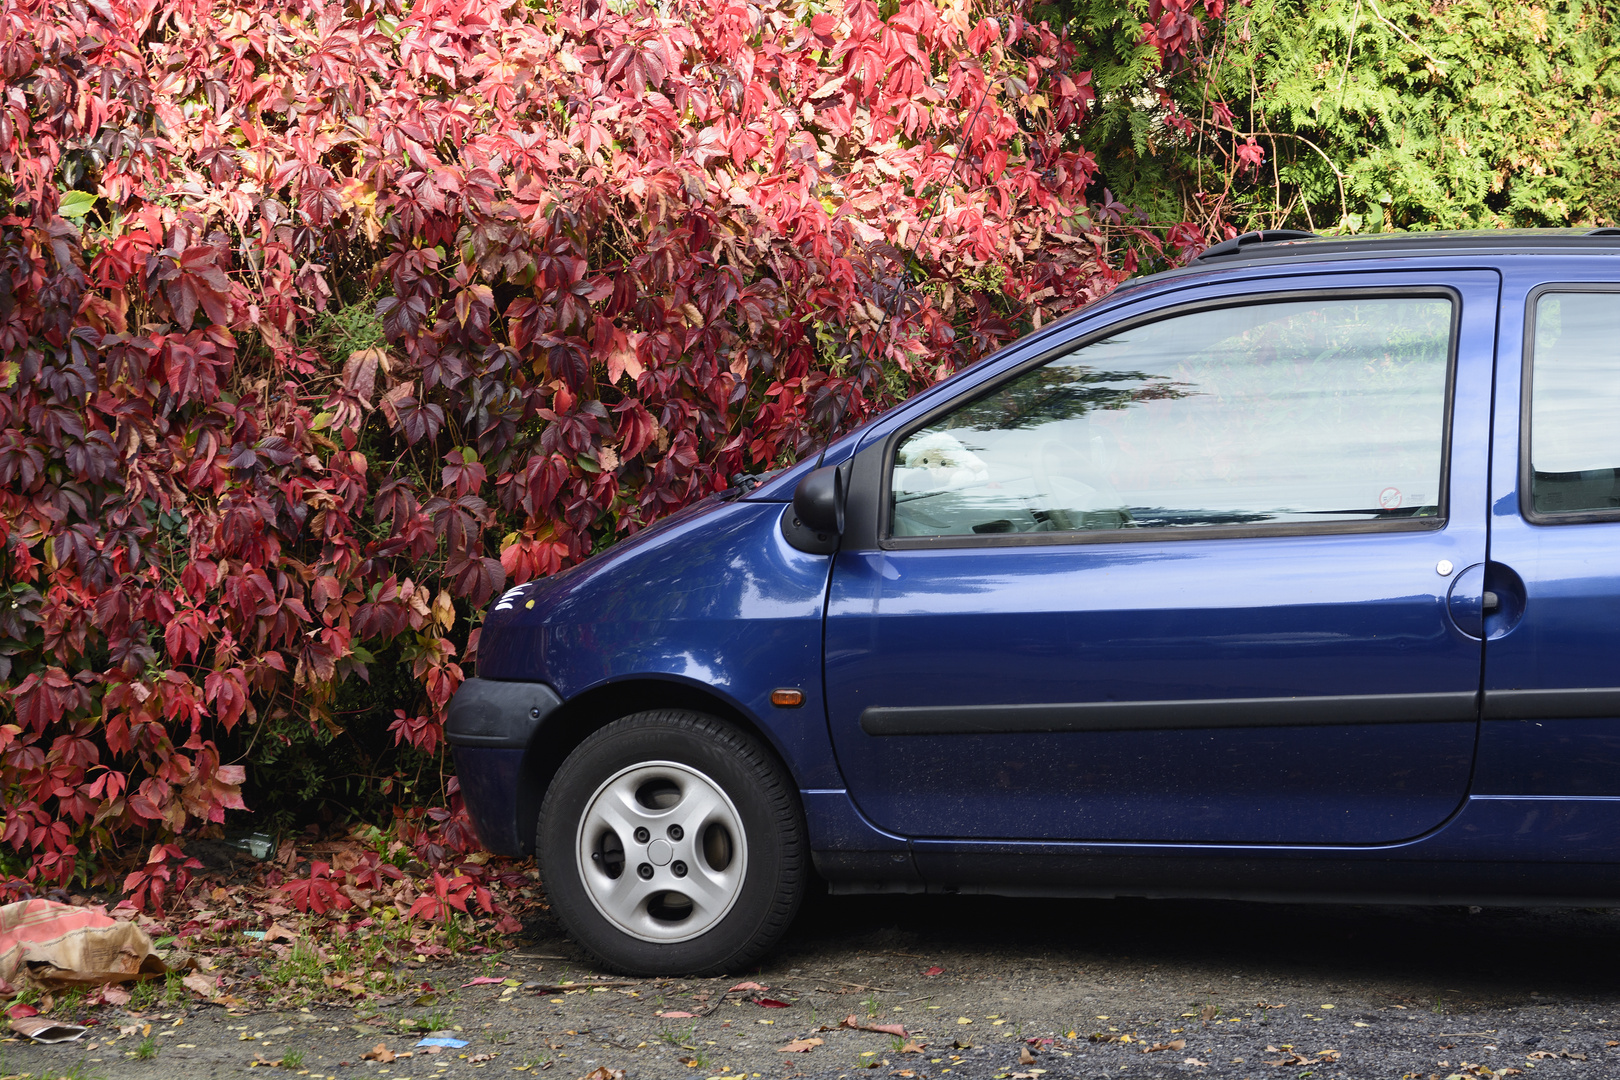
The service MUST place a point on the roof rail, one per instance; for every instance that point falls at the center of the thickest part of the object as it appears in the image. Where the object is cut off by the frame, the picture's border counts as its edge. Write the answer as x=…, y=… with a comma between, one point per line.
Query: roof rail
x=1261, y=236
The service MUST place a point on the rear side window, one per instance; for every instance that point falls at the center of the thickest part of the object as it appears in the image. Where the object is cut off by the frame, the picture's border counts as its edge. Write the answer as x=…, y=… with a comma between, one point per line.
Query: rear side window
x=1278, y=414
x=1575, y=403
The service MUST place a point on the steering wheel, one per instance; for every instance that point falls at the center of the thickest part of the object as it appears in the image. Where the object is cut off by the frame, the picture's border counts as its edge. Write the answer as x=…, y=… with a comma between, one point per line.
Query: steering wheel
x=1071, y=503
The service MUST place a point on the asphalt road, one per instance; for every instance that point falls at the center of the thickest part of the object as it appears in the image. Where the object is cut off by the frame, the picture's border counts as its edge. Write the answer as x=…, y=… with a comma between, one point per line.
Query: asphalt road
x=1024, y=988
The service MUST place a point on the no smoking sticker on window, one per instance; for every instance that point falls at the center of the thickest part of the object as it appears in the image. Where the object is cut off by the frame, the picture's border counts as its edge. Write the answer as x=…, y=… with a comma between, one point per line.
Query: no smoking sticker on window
x=1389, y=498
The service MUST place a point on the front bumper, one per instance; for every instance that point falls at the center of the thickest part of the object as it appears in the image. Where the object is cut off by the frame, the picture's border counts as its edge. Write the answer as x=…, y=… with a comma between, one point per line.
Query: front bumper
x=488, y=727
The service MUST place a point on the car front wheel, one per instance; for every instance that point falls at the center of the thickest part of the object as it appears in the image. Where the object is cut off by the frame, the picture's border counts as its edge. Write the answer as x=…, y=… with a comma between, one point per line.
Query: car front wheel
x=672, y=843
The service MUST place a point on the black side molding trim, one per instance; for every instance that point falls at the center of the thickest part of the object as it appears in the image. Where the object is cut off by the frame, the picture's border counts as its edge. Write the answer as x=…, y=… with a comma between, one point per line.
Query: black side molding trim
x=1171, y=715
x=1552, y=704
x=495, y=714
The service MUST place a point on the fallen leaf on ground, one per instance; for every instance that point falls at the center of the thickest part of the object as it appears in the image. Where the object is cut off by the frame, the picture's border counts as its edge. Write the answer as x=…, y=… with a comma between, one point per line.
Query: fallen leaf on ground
x=747, y=986
x=482, y=980
x=851, y=1022
x=1293, y=1059
x=1208, y=1013
x=1025, y=1057
x=1194, y=1061
x=206, y=985
x=1173, y=1044
x=913, y=1047
x=561, y=988
x=770, y=1003
x=380, y=1052
x=800, y=1046
x=264, y=1063
x=473, y=1058
x=934, y=971
x=676, y=1014
x=277, y=932
x=602, y=1072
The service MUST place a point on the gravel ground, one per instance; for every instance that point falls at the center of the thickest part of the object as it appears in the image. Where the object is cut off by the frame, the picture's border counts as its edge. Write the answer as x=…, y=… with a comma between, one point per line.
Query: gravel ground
x=1024, y=989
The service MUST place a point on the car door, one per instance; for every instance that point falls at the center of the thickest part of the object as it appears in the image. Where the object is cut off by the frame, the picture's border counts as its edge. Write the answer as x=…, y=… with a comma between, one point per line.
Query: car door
x=1552, y=654
x=1181, y=577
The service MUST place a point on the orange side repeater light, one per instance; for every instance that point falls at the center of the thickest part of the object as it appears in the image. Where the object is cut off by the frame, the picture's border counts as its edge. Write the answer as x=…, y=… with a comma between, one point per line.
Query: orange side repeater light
x=787, y=698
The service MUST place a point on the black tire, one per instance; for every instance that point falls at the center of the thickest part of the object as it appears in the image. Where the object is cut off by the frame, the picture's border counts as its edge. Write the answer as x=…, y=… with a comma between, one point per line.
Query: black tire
x=772, y=873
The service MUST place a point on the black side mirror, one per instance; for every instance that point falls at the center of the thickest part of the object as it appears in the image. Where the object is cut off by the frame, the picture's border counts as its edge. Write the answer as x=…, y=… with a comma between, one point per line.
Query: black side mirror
x=816, y=519
x=819, y=500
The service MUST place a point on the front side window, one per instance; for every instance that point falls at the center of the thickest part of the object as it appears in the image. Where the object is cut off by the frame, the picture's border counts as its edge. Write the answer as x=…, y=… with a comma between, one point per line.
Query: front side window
x=1280, y=413
x=1575, y=403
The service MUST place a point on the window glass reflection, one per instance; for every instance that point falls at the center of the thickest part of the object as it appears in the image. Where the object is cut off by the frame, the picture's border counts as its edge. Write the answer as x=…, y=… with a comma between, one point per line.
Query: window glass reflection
x=1575, y=403
x=1293, y=413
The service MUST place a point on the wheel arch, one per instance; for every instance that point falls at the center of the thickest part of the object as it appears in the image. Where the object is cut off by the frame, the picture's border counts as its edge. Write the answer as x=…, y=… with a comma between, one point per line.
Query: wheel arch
x=576, y=718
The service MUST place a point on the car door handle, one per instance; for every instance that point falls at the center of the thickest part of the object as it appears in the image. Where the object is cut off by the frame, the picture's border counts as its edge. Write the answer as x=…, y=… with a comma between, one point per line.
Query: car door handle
x=1502, y=601
x=1482, y=612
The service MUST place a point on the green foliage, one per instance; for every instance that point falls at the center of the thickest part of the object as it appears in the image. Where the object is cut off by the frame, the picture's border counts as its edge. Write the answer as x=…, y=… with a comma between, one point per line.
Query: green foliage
x=350, y=328
x=348, y=768
x=433, y=1020
x=79, y=1070
x=145, y=995
x=301, y=969
x=1370, y=115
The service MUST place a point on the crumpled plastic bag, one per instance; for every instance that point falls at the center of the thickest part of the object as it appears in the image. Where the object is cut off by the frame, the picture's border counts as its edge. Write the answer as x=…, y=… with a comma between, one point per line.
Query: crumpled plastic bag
x=57, y=946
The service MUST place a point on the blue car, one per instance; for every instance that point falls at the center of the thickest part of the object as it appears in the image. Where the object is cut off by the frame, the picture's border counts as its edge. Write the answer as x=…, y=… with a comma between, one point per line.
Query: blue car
x=1290, y=574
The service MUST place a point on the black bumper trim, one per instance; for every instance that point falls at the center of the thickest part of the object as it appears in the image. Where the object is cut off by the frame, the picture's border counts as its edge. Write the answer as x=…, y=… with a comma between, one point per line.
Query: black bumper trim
x=491, y=714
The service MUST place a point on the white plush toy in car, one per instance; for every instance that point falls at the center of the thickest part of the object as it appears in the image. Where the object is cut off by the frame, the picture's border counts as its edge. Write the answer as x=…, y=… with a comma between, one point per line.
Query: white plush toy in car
x=939, y=461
